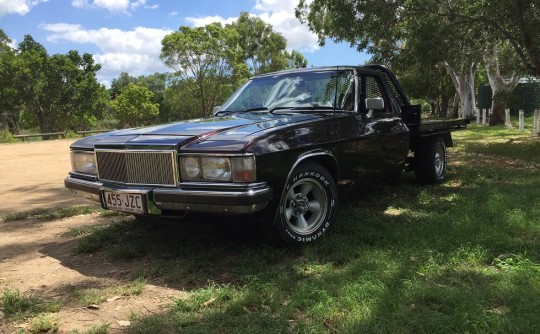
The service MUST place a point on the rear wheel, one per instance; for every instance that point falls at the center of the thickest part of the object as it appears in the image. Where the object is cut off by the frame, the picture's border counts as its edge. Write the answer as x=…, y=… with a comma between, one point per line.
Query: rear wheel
x=308, y=206
x=430, y=161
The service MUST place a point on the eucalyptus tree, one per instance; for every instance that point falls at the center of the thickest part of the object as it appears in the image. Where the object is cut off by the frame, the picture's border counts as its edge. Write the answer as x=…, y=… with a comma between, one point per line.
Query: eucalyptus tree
x=262, y=48
x=211, y=57
x=427, y=33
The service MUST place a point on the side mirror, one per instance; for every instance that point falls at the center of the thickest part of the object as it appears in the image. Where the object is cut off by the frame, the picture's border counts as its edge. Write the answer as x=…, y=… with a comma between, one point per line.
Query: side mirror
x=374, y=103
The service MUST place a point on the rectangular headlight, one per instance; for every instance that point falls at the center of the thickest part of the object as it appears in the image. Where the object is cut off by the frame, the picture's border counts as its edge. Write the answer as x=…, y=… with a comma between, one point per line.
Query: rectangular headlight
x=217, y=168
x=83, y=162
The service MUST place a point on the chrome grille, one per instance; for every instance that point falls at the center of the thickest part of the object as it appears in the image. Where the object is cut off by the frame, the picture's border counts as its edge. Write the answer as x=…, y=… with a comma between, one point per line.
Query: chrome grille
x=138, y=167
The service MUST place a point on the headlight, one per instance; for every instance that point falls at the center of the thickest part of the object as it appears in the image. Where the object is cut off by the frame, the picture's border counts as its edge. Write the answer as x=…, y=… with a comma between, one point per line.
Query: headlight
x=83, y=162
x=217, y=169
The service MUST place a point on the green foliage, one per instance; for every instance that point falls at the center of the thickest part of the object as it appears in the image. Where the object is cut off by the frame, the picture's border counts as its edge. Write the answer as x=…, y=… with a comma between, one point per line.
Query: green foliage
x=134, y=107
x=45, y=323
x=95, y=329
x=17, y=307
x=55, y=92
x=419, y=35
x=262, y=48
x=212, y=61
x=209, y=56
x=6, y=136
x=71, y=134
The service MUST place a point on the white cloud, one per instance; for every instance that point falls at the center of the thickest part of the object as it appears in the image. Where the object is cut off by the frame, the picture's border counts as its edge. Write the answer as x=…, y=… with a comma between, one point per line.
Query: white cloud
x=278, y=13
x=171, y=14
x=135, y=51
x=119, y=6
x=202, y=21
x=20, y=7
x=276, y=5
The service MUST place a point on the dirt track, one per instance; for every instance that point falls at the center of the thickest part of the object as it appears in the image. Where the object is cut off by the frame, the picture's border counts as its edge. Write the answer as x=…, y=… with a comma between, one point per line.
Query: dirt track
x=37, y=257
x=32, y=176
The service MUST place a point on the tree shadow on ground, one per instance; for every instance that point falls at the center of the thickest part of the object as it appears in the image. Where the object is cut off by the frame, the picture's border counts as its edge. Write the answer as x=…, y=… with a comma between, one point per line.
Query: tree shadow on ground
x=402, y=258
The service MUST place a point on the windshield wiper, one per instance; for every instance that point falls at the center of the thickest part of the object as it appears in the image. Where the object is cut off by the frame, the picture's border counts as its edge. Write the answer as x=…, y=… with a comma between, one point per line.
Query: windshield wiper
x=307, y=108
x=242, y=110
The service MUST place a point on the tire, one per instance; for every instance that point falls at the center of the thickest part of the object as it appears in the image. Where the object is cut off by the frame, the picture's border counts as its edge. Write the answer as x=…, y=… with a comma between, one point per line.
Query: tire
x=430, y=161
x=307, y=208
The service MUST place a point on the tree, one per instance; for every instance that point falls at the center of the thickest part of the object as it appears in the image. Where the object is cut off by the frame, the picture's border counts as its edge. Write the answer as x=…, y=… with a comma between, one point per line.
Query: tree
x=211, y=56
x=117, y=85
x=501, y=88
x=10, y=111
x=180, y=101
x=513, y=22
x=423, y=31
x=263, y=49
x=56, y=92
x=156, y=83
x=134, y=107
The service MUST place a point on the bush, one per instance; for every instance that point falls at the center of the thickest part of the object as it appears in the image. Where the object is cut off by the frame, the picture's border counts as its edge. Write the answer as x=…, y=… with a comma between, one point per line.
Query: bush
x=6, y=136
x=72, y=134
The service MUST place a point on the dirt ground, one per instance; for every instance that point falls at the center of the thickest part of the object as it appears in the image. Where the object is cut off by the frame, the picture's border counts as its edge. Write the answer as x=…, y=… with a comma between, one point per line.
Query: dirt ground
x=37, y=258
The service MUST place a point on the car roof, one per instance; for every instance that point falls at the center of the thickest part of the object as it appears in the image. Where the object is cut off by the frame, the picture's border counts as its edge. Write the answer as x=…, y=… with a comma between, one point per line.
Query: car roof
x=316, y=69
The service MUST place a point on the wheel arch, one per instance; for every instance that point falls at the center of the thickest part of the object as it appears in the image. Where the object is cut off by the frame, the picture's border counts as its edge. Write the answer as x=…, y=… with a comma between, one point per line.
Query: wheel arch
x=323, y=158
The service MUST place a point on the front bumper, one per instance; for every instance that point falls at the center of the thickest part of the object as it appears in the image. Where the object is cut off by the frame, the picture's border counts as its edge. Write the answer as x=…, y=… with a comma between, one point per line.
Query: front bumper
x=200, y=197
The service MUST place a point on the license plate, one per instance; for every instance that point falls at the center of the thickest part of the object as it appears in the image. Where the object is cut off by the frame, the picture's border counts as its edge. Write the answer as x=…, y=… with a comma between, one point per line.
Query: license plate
x=128, y=202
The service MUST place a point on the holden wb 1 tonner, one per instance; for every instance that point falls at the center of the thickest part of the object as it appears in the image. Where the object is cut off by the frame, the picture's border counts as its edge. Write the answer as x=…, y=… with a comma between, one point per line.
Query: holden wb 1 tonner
x=280, y=147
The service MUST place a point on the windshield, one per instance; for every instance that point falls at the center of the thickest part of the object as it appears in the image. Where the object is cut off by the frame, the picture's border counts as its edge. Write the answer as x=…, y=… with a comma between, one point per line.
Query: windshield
x=302, y=90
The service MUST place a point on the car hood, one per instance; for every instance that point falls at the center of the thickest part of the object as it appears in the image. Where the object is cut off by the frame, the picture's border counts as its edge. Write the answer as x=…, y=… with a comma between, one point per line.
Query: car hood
x=236, y=128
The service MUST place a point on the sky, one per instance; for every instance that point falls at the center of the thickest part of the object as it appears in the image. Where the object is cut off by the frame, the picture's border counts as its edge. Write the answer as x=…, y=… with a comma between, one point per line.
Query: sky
x=125, y=35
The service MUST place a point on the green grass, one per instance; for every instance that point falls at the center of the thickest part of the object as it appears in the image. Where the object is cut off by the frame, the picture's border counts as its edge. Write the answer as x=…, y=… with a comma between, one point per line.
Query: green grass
x=45, y=323
x=96, y=296
x=463, y=256
x=17, y=307
x=48, y=214
x=52, y=213
x=95, y=329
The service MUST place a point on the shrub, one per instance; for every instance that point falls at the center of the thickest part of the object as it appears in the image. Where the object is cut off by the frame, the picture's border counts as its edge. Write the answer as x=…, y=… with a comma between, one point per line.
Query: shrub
x=6, y=136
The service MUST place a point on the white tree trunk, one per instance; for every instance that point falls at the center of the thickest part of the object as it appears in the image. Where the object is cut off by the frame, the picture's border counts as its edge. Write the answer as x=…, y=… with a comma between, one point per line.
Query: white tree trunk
x=464, y=84
x=500, y=88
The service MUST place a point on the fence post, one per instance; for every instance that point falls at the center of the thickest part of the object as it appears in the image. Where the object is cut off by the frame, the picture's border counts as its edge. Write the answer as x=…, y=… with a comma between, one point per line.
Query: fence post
x=521, y=120
x=478, y=116
x=536, y=130
x=508, y=120
x=484, y=116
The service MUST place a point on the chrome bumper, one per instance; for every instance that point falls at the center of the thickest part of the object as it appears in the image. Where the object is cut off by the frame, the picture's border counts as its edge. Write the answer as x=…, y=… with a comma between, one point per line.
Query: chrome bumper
x=215, y=197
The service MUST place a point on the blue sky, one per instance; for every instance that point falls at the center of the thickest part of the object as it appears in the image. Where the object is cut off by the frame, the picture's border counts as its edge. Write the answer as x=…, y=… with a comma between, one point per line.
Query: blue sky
x=125, y=35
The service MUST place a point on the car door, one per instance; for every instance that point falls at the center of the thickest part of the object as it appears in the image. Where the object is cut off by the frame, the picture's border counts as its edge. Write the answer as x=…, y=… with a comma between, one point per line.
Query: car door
x=382, y=143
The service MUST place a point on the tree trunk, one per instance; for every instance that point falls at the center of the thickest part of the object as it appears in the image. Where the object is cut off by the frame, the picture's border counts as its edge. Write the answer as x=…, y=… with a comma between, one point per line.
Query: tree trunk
x=444, y=107
x=453, y=113
x=500, y=88
x=464, y=84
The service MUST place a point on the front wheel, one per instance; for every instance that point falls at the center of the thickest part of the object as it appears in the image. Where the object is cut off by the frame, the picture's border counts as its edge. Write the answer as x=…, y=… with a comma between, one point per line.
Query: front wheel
x=430, y=161
x=308, y=205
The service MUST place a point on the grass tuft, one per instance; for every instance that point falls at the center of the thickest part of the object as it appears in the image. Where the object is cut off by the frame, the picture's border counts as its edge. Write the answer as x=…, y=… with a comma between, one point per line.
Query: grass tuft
x=52, y=214
x=17, y=307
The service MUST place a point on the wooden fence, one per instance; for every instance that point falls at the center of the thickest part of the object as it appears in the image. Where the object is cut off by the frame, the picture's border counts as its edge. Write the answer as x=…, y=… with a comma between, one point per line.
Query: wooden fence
x=482, y=117
x=59, y=134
